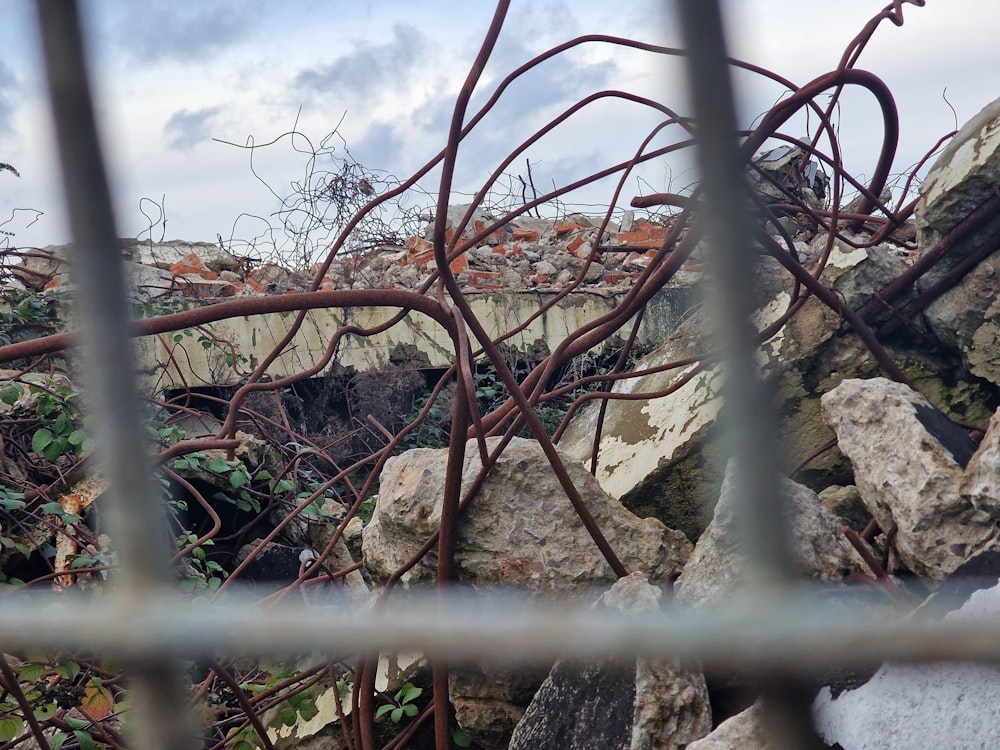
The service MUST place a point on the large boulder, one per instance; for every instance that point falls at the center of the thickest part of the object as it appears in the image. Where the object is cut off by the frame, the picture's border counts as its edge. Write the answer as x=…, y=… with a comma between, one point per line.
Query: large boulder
x=609, y=705
x=909, y=464
x=818, y=547
x=521, y=528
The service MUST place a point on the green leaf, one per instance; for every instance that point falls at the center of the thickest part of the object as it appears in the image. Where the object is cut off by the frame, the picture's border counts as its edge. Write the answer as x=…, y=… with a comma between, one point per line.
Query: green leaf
x=408, y=693
x=30, y=672
x=178, y=337
x=11, y=393
x=218, y=465
x=238, y=478
x=410, y=709
x=262, y=476
x=285, y=485
x=180, y=464
x=10, y=728
x=243, y=745
x=46, y=405
x=76, y=437
x=85, y=740
x=41, y=439
x=76, y=723
x=67, y=669
x=460, y=737
x=308, y=710
x=396, y=715
x=289, y=716
x=11, y=500
x=54, y=508
x=52, y=451
x=383, y=710
x=46, y=712
x=56, y=741
x=61, y=423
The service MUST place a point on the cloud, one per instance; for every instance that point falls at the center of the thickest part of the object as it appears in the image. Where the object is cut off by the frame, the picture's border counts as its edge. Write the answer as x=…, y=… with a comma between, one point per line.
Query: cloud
x=8, y=83
x=369, y=68
x=183, y=34
x=186, y=128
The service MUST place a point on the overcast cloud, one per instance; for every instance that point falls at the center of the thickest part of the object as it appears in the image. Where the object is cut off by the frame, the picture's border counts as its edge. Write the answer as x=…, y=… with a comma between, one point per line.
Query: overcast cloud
x=8, y=85
x=181, y=32
x=174, y=76
x=185, y=128
x=369, y=68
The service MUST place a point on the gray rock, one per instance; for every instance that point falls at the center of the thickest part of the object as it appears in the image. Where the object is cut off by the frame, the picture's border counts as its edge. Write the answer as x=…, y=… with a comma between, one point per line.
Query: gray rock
x=980, y=484
x=601, y=704
x=580, y=706
x=546, y=267
x=165, y=254
x=663, y=457
x=908, y=461
x=150, y=280
x=38, y=267
x=490, y=700
x=521, y=529
x=740, y=732
x=819, y=549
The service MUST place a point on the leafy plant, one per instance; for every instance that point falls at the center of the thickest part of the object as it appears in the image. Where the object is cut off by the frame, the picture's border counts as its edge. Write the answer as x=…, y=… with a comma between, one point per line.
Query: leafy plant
x=61, y=429
x=402, y=704
x=203, y=569
x=26, y=315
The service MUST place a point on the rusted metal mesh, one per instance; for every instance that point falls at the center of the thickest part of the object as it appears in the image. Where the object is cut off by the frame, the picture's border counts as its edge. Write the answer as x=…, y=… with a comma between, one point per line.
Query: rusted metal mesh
x=346, y=465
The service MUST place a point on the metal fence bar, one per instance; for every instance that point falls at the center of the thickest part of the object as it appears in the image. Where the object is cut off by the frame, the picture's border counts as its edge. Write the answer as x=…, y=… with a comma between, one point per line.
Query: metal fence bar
x=784, y=632
x=729, y=230
x=136, y=515
x=798, y=635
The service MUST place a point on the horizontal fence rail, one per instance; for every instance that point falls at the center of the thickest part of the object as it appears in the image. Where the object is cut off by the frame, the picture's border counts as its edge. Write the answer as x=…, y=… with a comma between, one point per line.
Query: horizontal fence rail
x=799, y=635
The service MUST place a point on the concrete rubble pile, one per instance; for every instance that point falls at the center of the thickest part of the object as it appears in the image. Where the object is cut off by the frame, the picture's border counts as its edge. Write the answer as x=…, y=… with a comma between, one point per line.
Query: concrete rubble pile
x=905, y=454
x=928, y=483
x=527, y=253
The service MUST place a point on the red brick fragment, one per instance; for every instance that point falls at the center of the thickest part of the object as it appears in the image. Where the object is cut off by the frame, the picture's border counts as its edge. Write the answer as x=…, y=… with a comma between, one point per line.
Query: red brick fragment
x=485, y=280
x=648, y=235
x=562, y=229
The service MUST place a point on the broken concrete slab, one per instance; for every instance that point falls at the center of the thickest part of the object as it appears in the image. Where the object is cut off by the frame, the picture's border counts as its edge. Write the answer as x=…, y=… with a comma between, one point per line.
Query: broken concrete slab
x=964, y=177
x=927, y=705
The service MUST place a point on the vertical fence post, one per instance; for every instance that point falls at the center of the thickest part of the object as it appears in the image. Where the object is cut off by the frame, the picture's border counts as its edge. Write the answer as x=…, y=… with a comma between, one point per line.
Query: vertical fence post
x=729, y=227
x=136, y=518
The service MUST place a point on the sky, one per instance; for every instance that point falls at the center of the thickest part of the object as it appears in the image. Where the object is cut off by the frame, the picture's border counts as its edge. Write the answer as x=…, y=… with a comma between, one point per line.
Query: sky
x=184, y=87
